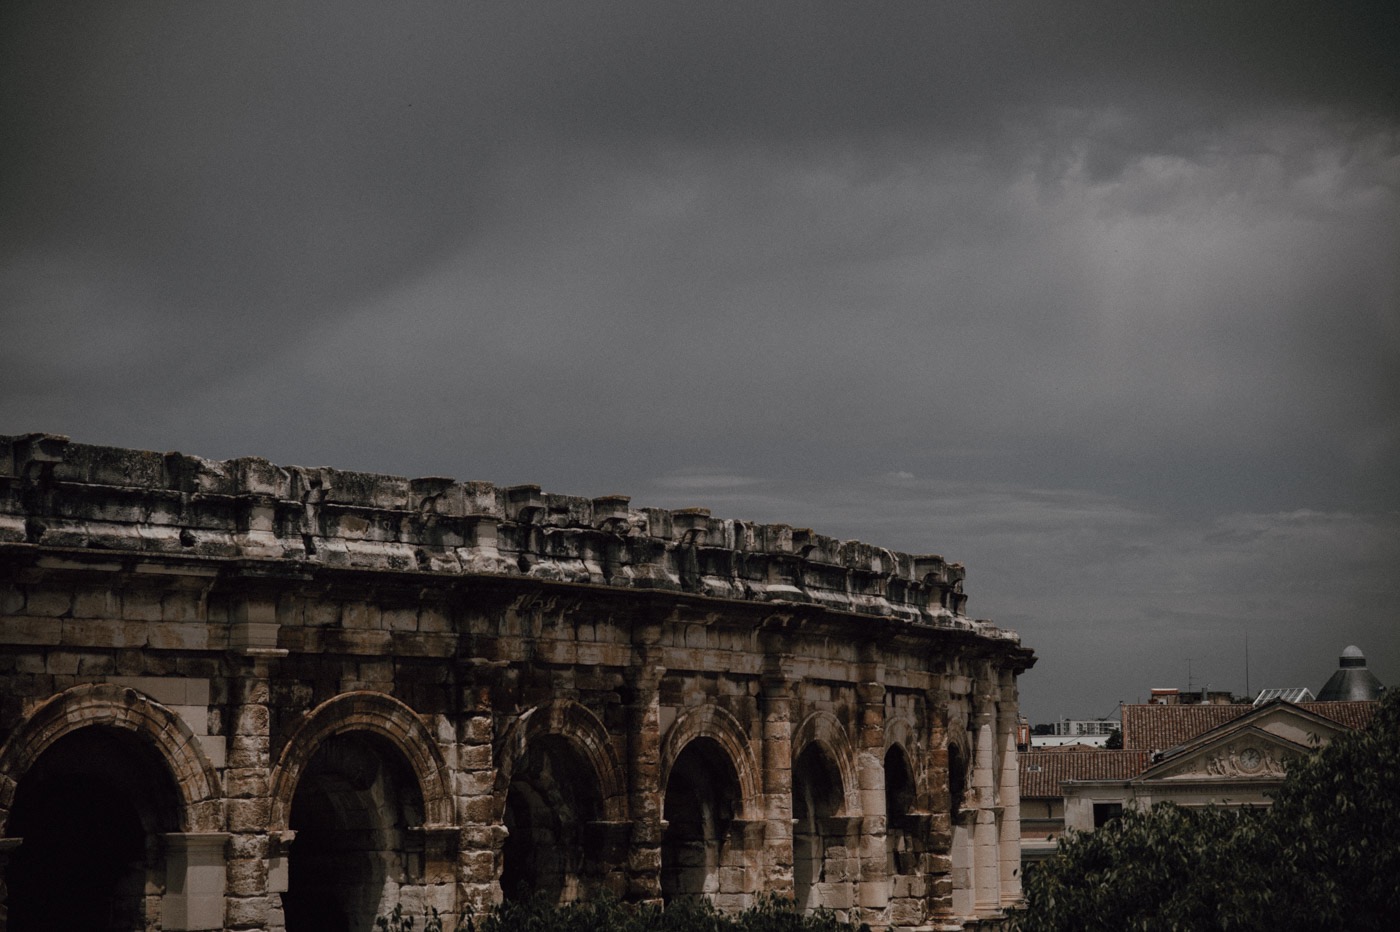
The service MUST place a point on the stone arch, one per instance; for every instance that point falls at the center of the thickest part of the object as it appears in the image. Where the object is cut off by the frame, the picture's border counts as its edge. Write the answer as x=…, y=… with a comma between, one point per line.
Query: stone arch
x=709, y=799
x=107, y=795
x=363, y=789
x=960, y=759
x=825, y=813
x=378, y=714
x=720, y=726
x=824, y=729
x=585, y=735
x=125, y=710
x=561, y=796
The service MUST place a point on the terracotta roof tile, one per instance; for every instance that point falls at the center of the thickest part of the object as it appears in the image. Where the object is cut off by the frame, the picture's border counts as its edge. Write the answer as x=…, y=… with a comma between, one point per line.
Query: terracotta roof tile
x=1158, y=727
x=1043, y=771
x=1354, y=714
x=1161, y=727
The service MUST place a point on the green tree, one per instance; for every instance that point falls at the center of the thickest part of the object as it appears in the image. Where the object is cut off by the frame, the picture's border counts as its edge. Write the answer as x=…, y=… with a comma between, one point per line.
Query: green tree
x=1325, y=856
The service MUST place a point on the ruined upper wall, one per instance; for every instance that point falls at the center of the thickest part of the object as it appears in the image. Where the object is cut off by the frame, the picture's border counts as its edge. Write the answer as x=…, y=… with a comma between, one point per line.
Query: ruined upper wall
x=59, y=494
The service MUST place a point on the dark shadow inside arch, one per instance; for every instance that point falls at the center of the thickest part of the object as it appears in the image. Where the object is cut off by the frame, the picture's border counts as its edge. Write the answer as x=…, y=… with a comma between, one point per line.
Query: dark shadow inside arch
x=702, y=800
x=90, y=812
x=353, y=806
x=551, y=803
x=957, y=780
x=816, y=799
x=900, y=837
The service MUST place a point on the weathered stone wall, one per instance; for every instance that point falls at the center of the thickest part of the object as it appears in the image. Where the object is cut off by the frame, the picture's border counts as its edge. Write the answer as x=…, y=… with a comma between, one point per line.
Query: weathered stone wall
x=348, y=691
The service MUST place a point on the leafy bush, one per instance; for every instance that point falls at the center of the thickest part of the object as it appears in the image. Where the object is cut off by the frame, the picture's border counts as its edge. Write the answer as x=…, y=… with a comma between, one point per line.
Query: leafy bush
x=606, y=914
x=1325, y=856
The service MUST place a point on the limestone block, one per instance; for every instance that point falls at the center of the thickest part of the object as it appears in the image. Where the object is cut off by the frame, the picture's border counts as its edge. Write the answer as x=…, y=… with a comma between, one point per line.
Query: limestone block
x=249, y=846
x=61, y=664
x=141, y=605
x=245, y=784
x=478, y=809
x=248, y=912
x=90, y=665
x=47, y=603
x=399, y=619
x=248, y=751
x=215, y=750
x=180, y=606
x=479, y=866
x=101, y=632
x=195, y=716
x=319, y=614
x=23, y=629
x=177, y=636
x=247, y=874
x=249, y=815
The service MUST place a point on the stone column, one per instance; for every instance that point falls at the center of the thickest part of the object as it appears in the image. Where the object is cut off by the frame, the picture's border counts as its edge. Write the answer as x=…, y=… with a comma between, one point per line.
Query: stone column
x=482, y=833
x=873, y=895
x=251, y=902
x=777, y=687
x=1010, y=794
x=644, y=764
x=986, y=854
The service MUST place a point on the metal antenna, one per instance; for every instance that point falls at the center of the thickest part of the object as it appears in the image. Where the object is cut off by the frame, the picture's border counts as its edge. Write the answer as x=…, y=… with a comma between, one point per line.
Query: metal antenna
x=1247, y=693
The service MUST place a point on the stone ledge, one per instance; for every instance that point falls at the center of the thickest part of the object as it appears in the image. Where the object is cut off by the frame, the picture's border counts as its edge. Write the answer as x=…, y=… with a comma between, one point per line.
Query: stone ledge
x=58, y=494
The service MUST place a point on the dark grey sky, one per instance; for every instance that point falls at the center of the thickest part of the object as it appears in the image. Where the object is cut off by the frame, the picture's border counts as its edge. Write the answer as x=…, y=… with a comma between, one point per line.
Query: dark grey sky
x=1100, y=299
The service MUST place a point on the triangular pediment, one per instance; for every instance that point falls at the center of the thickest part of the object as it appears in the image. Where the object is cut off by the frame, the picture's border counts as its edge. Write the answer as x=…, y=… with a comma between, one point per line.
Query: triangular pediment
x=1243, y=754
x=1256, y=746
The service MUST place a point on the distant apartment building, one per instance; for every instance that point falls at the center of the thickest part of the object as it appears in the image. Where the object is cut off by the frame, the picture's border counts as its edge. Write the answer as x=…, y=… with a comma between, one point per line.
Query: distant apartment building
x=1090, y=732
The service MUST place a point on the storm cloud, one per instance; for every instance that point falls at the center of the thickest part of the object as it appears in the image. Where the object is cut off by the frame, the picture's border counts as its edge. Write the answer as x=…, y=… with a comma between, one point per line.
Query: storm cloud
x=1099, y=299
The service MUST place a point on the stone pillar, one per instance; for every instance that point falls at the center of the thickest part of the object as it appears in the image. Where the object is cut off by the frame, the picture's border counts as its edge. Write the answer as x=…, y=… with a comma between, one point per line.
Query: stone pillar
x=777, y=687
x=483, y=833
x=986, y=853
x=251, y=903
x=1010, y=793
x=644, y=764
x=873, y=894
x=194, y=881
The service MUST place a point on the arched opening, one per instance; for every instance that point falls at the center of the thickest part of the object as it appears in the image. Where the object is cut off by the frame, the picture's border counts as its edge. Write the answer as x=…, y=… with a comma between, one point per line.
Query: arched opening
x=552, y=799
x=90, y=812
x=960, y=832
x=816, y=799
x=957, y=780
x=702, y=800
x=899, y=803
x=353, y=806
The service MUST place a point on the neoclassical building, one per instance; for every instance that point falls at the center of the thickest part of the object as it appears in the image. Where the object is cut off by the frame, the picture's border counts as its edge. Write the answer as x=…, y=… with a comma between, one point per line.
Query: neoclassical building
x=241, y=696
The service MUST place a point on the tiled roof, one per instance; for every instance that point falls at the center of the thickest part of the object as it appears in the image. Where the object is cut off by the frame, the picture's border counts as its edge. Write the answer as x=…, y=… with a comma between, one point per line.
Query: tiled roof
x=1160, y=727
x=1350, y=714
x=1042, y=771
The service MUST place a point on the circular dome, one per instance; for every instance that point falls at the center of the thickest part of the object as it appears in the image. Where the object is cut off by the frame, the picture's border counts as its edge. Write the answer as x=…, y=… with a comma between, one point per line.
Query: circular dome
x=1352, y=657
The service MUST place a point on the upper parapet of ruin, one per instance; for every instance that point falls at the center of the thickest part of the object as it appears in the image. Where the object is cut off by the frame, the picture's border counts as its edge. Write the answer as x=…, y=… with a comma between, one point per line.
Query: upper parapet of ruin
x=58, y=494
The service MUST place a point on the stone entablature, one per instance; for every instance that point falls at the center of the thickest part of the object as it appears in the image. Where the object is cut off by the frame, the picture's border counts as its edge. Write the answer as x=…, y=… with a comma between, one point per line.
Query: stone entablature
x=302, y=692
x=133, y=500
